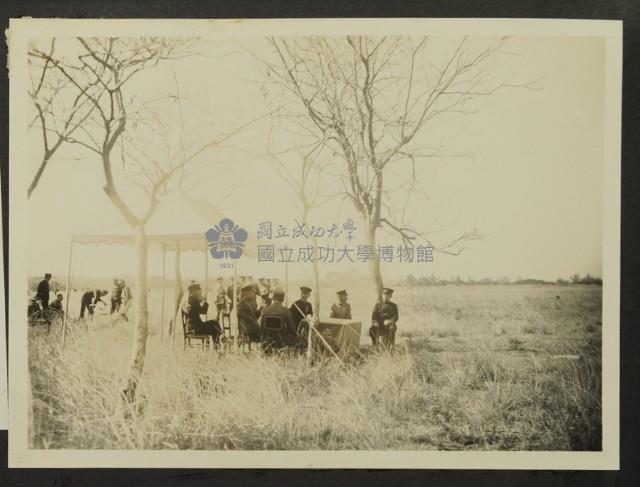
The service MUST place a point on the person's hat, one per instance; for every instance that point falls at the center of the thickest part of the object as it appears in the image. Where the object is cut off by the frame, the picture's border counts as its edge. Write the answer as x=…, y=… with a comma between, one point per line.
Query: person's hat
x=47, y=275
x=387, y=290
x=248, y=287
x=220, y=278
x=342, y=292
x=58, y=294
x=278, y=291
x=193, y=286
x=305, y=289
x=256, y=288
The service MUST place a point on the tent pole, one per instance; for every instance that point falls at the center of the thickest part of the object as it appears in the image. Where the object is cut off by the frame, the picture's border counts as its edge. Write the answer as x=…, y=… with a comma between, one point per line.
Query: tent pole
x=206, y=278
x=286, y=283
x=68, y=291
x=178, y=279
x=162, y=295
x=235, y=307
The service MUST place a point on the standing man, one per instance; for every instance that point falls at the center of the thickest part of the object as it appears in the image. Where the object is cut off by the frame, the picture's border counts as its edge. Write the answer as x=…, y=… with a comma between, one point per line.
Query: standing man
x=127, y=299
x=341, y=309
x=384, y=319
x=222, y=300
x=42, y=293
x=248, y=314
x=302, y=308
x=116, y=295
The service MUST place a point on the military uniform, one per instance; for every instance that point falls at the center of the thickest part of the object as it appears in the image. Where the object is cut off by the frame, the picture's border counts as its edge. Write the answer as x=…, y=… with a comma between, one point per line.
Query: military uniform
x=300, y=310
x=341, y=311
x=384, y=320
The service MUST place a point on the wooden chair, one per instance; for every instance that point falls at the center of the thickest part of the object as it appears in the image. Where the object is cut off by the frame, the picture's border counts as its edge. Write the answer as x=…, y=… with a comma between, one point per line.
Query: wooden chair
x=189, y=336
x=245, y=342
x=273, y=331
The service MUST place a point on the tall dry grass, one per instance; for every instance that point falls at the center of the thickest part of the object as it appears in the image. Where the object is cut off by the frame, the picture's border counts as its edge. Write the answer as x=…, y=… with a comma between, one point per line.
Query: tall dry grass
x=451, y=384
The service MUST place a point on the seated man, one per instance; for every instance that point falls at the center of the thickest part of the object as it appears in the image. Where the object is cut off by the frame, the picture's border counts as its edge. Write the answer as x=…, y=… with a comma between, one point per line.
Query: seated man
x=195, y=306
x=341, y=309
x=278, y=338
x=265, y=301
x=57, y=303
x=302, y=310
x=248, y=314
x=384, y=320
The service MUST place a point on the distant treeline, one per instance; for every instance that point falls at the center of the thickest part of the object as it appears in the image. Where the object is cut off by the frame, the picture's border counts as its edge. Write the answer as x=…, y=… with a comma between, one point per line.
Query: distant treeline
x=411, y=280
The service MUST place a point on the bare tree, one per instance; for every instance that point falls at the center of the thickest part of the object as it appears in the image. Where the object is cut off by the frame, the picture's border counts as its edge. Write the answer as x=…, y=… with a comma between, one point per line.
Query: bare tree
x=301, y=167
x=57, y=117
x=135, y=131
x=369, y=99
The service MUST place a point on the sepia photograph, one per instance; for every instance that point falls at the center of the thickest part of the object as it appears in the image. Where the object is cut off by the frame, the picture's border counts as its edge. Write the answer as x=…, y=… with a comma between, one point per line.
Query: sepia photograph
x=388, y=243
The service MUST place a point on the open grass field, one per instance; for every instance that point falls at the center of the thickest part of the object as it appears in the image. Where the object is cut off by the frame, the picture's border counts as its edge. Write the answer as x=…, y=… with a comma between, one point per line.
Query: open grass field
x=475, y=368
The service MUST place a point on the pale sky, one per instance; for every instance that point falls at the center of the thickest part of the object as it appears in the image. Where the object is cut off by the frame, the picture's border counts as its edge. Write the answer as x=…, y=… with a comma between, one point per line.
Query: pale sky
x=533, y=185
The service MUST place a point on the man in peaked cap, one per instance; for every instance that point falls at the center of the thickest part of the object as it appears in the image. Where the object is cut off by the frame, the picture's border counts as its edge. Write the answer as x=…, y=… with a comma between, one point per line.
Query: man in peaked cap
x=302, y=308
x=384, y=319
x=341, y=309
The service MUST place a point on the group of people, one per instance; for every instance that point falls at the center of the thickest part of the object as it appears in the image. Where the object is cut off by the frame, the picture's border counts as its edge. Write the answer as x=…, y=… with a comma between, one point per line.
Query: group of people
x=273, y=323
x=121, y=297
x=43, y=296
x=271, y=320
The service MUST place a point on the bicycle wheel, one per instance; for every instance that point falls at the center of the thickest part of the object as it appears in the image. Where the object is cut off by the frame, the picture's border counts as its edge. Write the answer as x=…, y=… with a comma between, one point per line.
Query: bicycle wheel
x=52, y=319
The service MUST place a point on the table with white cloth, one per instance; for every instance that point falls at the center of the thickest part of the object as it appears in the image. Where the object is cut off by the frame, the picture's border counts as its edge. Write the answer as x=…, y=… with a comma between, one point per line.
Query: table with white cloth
x=343, y=336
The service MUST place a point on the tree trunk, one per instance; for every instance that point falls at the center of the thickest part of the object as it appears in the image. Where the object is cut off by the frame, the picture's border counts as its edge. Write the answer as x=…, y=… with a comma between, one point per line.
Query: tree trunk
x=141, y=318
x=316, y=280
x=374, y=264
x=316, y=271
x=179, y=294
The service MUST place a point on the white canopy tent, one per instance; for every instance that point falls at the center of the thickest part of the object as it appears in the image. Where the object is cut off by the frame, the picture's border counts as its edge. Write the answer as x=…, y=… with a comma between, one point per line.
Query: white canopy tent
x=177, y=225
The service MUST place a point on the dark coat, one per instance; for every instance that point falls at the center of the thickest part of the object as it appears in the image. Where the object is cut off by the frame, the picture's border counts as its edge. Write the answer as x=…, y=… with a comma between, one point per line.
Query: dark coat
x=43, y=292
x=305, y=307
x=195, y=308
x=276, y=309
x=385, y=311
x=247, y=318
